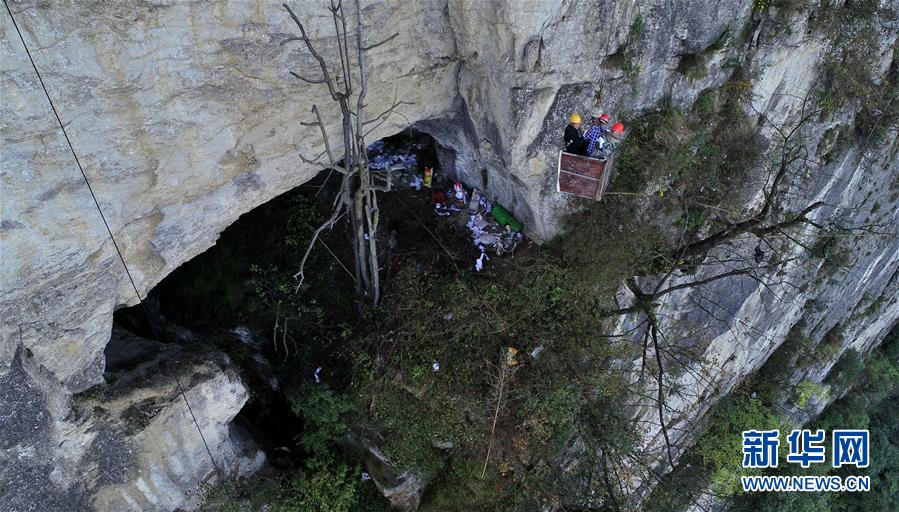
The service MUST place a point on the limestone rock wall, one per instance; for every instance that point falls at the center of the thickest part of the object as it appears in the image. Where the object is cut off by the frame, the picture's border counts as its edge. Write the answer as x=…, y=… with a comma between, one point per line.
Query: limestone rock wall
x=527, y=65
x=184, y=117
x=736, y=324
x=132, y=446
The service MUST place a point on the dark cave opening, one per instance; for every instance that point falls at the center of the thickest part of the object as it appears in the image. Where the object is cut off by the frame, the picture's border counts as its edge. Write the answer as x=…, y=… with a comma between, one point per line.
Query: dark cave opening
x=238, y=296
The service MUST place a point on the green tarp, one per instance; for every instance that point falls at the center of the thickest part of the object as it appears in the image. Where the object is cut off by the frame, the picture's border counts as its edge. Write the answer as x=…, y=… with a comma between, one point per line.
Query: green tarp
x=503, y=217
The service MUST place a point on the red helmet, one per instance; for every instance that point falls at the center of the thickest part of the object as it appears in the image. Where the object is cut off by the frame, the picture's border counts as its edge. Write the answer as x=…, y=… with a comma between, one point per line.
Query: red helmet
x=605, y=117
x=617, y=128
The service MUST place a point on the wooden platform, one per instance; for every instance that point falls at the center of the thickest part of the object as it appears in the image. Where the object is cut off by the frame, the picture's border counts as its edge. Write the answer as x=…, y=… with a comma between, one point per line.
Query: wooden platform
x=583, y=176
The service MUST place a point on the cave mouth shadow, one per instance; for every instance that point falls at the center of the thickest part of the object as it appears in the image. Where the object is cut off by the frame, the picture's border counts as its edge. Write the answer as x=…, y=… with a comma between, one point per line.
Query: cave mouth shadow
x=209, y=293
x=228, y=297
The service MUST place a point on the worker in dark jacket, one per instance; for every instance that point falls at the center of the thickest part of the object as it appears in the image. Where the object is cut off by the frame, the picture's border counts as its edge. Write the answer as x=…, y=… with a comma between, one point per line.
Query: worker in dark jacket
x=574, y=141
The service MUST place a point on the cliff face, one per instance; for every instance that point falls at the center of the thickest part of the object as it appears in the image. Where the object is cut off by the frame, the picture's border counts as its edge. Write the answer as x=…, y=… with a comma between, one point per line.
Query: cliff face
x=526, y=68
x=736, y=325
x=132, y=445
x=184, y=117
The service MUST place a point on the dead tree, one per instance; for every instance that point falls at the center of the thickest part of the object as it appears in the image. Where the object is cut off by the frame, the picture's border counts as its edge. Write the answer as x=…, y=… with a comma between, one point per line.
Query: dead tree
x=768, y=220
x=357, y=197
x=504, y=372
x=773, y=229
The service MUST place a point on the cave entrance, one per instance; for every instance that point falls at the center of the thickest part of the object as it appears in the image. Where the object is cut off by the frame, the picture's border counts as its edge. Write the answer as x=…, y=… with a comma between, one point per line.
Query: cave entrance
x=217, y=288
x=239, y=296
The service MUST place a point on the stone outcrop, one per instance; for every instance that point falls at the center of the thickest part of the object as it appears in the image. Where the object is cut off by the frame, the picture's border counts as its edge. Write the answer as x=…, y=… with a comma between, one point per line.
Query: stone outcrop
x=184, y=116
x=132, y=444
x=402, y=488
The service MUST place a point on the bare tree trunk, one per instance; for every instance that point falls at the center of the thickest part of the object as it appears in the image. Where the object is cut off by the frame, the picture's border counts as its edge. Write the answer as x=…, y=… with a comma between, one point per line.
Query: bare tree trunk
x=771, y=219
x=504, y=371
x=358, y=194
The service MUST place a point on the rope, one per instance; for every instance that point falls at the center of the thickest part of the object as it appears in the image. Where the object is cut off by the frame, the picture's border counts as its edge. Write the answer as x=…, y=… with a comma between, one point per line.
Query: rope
x=334, y=255
x=111, y=237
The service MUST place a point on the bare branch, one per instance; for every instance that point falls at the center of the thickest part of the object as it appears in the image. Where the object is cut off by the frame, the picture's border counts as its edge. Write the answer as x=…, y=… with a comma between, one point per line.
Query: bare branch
x=750, y=225
x=309, y=80
x=505, y=371
x=313, y=161
x=328, y=224
x=383, y=116
x=386, y=113
x=358, y=199
x=334, y=256
x=700, y=282
x=321, y=62
x=661, y=390
x=321, y=126
x=342, y=45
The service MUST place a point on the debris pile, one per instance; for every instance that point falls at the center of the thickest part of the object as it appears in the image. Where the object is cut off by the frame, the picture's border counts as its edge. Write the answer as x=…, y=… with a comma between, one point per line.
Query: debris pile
x=491, y=228
x=380, y=159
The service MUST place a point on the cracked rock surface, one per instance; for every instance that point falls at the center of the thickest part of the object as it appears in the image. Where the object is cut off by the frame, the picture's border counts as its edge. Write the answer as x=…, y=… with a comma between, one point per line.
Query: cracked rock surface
x=184, y=117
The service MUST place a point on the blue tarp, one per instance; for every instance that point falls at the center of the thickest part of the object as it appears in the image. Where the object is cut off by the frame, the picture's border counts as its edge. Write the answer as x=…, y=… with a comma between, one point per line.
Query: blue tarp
x=378, y=159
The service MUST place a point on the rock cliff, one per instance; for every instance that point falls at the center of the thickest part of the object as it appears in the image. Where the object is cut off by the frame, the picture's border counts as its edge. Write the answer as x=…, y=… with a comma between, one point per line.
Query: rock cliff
x=184, y=116
x=132, y=445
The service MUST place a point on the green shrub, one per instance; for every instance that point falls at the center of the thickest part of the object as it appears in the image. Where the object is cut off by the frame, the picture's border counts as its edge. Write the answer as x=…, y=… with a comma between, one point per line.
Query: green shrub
x=625, y=57
x=414, y=428
x=849, y=71
x=321, y=410
x=882, y=377
x=719, y=448
x=830, y=345
x=691, y=160
x=772, y=379
x=808, y=392
x=707, y=103
x=871, y=403
x=846, y=371
x=323, y=485
x=693, y=66
x=461, y=489
x=550, y=415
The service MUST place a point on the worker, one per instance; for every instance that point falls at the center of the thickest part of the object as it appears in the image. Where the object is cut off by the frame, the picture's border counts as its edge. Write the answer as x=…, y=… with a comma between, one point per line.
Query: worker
x=611, y=141
x=574, y=142
x=507, y=240
x=594, y=136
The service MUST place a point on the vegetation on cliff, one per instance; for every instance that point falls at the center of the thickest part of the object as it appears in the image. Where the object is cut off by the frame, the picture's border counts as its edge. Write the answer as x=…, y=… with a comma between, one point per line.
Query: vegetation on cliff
x=415, y=376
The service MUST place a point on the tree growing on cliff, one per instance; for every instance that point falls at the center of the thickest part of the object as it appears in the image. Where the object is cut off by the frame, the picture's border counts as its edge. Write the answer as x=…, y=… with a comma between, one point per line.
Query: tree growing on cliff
x=759, y=245
x=357, y=197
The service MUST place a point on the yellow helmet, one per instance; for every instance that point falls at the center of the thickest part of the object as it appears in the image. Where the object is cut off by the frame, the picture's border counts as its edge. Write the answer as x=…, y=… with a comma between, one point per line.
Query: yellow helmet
x=575, y=118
